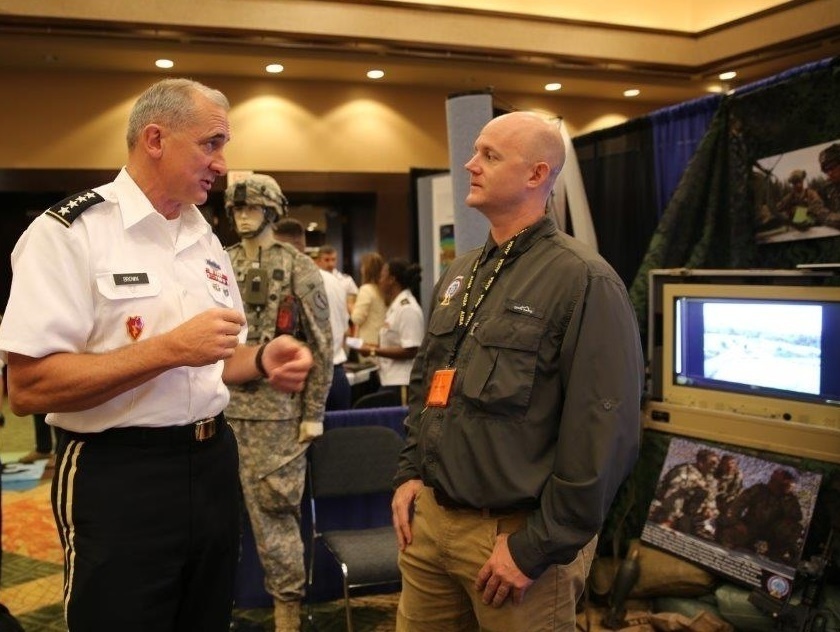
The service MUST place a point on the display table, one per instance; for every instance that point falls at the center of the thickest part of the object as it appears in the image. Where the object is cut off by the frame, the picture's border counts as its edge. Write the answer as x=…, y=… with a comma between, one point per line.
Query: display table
x=374, y=511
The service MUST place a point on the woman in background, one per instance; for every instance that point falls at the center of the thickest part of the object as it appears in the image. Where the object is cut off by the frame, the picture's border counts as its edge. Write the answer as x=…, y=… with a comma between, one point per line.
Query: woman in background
x=368, y=313
x=403, y=329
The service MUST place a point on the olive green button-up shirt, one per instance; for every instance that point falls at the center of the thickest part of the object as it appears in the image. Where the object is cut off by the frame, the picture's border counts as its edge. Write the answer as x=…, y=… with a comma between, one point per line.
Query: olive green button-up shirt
x=544, y=411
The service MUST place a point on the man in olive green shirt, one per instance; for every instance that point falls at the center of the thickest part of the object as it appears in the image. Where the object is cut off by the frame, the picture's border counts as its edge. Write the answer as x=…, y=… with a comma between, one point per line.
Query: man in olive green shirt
x=524, y=408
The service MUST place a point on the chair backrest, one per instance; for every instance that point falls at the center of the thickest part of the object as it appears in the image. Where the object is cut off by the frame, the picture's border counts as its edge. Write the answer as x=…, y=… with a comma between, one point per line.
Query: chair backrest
x=354, y=461
x=379, y=399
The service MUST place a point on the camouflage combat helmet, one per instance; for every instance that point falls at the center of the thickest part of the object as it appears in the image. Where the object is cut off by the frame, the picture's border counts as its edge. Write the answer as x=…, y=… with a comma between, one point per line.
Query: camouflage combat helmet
x=261, y=190
x=797, y=175
x=830, y=157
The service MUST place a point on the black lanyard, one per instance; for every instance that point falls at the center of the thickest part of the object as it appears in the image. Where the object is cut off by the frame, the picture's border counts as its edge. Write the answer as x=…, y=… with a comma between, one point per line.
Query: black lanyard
x=464, y=318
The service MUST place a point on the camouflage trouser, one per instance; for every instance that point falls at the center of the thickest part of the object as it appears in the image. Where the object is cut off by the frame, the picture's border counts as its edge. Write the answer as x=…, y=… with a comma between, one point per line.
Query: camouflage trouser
x=272, y=468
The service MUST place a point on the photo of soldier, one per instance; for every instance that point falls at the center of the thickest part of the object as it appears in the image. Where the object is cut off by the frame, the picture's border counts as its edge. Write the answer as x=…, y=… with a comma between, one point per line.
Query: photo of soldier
x=733, y=513
x=801, y=207
x=685, y=497
x=797, y=194
x=766, y=519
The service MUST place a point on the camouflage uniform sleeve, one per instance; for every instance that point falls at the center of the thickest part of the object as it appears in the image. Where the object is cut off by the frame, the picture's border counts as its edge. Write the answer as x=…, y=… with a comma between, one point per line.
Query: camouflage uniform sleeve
x=309, y=288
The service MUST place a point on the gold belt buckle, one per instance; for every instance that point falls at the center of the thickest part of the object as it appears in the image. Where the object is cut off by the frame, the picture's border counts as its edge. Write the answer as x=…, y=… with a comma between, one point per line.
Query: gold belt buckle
x=205, y=429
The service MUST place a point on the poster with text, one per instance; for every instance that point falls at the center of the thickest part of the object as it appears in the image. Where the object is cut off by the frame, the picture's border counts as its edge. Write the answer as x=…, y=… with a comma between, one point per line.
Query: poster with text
x=737, y=515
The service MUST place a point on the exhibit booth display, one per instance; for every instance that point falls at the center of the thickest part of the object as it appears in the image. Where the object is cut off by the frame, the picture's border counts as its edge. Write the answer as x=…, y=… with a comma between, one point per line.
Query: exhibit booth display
x=737, y=489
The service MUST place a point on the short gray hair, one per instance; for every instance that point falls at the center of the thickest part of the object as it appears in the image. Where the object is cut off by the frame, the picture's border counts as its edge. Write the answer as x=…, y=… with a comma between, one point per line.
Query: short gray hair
x=169, y=102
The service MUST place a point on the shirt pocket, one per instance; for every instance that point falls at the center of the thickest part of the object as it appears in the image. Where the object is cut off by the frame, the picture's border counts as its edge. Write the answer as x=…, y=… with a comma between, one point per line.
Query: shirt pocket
x=501, y=371
x=442, y=325
x=116, y=286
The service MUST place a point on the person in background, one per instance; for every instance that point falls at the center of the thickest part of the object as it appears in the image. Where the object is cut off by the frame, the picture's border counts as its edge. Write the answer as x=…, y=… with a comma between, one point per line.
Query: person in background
x=125, y=322
x=283, y=293
x=368, y=313
x=340, y=394
x=43, y=442
x=327, y=260
x=403, y=329
x=523, y=411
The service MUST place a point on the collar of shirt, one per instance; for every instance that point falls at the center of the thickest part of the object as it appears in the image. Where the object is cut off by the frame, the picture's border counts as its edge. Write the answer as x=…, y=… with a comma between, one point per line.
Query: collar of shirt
x=135, y=207
x=541, y=228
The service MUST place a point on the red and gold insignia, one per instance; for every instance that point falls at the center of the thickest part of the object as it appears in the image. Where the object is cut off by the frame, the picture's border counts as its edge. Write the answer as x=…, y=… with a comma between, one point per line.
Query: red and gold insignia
x=134, y=324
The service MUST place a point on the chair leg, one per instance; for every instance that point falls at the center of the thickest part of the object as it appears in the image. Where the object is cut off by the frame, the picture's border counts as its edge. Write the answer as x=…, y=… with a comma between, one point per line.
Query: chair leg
x=347, y=599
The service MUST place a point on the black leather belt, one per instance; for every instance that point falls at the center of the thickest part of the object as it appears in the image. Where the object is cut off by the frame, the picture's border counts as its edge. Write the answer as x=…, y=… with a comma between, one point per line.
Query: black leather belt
x=198, y=432
x=443, y=499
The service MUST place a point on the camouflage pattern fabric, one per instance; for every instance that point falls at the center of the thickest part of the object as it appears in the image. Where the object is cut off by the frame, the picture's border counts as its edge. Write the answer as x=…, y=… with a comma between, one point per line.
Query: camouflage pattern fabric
x=272, y=498
x=290, y=273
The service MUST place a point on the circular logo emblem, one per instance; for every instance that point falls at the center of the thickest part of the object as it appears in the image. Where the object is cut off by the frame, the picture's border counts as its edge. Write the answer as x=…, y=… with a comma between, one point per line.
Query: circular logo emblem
x=778, y=587
x=452, y=289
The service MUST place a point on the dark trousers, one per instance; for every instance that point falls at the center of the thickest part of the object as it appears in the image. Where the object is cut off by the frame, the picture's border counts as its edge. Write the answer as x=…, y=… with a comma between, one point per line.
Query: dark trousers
x=44, y=434
x=340, y=396
x=150, y=530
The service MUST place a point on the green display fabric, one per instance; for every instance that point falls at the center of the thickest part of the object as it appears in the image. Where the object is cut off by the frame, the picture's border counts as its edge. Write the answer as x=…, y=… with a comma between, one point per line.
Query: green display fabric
x=709, y=222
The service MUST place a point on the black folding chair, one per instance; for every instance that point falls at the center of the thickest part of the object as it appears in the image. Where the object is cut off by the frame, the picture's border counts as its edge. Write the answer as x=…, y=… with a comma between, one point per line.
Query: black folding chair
x=348, y=462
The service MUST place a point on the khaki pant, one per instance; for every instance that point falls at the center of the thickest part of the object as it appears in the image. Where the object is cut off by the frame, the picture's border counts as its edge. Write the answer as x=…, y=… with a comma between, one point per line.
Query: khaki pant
x=439, y=569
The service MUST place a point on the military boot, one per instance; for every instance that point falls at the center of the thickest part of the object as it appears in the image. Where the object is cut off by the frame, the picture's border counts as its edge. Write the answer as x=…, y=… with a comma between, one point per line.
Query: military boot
x=286, y=616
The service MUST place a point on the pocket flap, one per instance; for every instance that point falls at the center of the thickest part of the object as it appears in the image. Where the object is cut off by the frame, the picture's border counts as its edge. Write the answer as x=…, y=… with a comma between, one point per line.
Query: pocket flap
x=125, y=285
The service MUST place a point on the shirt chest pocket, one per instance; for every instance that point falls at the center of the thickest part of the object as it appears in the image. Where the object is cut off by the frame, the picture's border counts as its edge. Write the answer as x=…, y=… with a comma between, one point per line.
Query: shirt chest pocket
x=117, y=286
x=502, y=367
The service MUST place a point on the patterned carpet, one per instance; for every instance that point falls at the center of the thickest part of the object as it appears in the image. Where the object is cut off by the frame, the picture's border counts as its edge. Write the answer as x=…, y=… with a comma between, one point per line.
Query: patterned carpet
x=32, y=574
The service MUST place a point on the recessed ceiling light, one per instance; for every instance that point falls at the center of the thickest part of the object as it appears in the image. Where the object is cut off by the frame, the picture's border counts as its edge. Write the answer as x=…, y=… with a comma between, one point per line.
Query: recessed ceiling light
x=274, y=68
x=375, y=74
x=726, y=76
x=553, y=87
x=633, y=92
x=715, y=89
x=164, y=63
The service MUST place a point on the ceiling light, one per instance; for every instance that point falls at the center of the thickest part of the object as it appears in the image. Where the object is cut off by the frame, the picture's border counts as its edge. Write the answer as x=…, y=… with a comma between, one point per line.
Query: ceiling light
x=312, y=227
x=633, y=92
x=375, y=74
x=274, y=68
x=553, y=87
x=715, y=89
x=726, y=76
x=164, y=63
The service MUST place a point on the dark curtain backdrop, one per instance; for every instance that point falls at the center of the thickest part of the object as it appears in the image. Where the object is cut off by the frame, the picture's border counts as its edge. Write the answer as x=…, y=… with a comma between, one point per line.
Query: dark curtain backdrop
x=618, y=174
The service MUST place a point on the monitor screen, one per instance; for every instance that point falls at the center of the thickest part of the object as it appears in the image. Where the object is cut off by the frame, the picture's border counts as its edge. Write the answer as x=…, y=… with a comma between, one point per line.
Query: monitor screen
x=779, y=346
x=770, y=351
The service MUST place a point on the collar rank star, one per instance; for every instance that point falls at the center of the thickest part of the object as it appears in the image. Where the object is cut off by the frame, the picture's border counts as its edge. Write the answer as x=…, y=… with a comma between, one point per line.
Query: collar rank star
x=134, y=325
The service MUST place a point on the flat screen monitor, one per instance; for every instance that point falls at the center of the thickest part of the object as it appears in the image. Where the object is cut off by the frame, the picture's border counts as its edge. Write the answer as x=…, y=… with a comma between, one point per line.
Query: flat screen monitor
x=769, y=351
x=768, y=354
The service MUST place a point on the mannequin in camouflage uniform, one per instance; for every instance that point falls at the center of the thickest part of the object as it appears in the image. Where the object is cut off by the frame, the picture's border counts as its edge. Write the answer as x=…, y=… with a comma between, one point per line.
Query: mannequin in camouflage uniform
x=282, y=292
